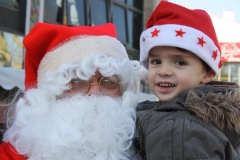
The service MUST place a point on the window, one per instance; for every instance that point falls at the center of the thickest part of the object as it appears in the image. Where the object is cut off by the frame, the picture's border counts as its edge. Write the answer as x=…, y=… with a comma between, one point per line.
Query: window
x=127, y=16
x=230, y=72
x=12, y=29
x=135, y=28
x=121, y=1
x=11, y=50
x=53, y=11
x=235, y=71
x=12, y=16
x=80, y=11
x=98, y=12
x=10, y=3
x=120, y=22
x=135, y=3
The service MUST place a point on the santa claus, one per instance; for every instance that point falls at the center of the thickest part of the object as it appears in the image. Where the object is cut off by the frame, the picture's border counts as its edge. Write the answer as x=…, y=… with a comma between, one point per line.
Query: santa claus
x=80, y=98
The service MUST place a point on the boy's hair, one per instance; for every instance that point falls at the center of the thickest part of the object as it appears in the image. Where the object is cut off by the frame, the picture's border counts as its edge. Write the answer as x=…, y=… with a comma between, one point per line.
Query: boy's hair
x=173, y=25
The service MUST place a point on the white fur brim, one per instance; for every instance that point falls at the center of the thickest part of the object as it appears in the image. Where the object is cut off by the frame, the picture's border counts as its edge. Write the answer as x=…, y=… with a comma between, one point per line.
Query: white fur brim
x=189, y=41
x=76, y=49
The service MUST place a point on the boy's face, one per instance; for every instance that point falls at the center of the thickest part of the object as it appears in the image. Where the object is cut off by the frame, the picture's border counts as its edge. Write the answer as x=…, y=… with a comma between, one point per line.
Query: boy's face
x=172, y=71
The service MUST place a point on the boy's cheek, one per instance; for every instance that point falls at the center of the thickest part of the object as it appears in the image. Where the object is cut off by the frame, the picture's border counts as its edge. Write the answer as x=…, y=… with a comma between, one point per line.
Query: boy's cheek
x=151, y=75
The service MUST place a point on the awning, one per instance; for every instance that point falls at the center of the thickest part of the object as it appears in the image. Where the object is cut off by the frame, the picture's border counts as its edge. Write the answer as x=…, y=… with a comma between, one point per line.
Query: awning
x=230, y=52
x=11, y=77
x=228, y=34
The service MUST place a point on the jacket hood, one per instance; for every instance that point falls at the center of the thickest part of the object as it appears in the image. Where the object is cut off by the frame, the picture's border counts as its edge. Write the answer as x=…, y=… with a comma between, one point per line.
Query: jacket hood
x=220, y=106
x=217, y=103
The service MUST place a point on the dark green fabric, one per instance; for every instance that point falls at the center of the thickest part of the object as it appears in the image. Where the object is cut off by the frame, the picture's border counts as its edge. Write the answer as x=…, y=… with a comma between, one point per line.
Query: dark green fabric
x=168, y=131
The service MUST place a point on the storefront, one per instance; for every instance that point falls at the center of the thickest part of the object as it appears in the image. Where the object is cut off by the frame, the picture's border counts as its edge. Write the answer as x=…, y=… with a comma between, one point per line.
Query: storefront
x=18, y=17
x=228, y=33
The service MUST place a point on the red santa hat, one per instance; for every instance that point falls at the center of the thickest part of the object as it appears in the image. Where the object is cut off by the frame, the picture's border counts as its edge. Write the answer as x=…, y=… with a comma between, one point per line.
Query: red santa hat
x=49, y=45
x=174, y=25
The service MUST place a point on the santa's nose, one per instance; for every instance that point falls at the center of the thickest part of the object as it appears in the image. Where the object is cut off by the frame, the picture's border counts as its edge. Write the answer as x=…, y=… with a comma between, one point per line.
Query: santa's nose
x=94, y=89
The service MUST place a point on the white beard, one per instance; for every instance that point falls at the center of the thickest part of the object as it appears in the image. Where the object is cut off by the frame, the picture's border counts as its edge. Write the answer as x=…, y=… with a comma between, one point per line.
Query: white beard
x=80, y=127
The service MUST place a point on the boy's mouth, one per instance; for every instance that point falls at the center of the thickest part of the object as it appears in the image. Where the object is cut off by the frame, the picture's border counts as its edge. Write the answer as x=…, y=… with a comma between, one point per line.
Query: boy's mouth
x=166, y=85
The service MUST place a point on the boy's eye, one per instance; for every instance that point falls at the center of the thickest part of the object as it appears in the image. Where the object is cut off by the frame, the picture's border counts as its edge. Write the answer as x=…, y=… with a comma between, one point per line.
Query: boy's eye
x=180, y=63
x=154, y=62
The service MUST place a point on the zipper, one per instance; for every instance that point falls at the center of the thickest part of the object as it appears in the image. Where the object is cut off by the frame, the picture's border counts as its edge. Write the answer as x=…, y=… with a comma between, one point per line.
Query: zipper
x=141, y=140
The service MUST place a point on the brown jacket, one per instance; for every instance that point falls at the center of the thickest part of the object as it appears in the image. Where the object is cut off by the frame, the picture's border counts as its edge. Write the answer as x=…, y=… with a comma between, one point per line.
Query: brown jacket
x=200, y=124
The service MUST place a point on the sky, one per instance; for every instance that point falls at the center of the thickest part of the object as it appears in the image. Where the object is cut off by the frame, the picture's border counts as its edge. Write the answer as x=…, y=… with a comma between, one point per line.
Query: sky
x=214, y=7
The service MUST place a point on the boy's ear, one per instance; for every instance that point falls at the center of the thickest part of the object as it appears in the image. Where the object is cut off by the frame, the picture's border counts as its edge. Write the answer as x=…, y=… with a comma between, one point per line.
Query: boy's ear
x=210, y=74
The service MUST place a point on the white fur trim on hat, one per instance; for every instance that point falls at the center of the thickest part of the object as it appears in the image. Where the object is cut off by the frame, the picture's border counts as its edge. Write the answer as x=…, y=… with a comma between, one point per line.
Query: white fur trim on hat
x=76, y=49
x=166, y=35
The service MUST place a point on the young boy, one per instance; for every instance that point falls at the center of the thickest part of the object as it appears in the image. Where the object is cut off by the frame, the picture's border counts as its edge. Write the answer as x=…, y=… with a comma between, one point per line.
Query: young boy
x=195, y=117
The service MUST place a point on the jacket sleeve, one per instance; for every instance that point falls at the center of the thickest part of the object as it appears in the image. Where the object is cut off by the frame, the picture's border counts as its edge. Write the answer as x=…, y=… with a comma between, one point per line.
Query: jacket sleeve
x=180, y=136
x=7, y=152
x=238, y=152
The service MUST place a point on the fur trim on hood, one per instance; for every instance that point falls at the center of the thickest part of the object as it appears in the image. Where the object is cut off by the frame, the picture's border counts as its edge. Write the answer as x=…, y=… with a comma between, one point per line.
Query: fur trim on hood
x=220, y=106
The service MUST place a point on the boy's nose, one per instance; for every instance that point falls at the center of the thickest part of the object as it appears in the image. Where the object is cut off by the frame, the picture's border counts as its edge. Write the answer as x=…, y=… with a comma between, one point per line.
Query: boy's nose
x=94, y=89
x=165, y=70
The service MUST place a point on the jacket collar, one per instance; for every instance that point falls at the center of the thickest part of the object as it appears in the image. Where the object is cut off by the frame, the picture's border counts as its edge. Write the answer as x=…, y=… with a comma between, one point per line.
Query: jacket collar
x=217, y=103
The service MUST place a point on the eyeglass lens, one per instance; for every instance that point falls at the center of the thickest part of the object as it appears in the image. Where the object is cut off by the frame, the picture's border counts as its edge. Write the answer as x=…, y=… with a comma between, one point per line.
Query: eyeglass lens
x=108, y=84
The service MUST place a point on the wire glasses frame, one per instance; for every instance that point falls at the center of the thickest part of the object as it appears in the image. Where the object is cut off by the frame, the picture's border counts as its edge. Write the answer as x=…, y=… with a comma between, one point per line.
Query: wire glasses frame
x=107, y=85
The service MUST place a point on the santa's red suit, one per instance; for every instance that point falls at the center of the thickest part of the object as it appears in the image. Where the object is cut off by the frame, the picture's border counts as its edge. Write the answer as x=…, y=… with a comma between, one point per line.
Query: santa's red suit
x=7, y=152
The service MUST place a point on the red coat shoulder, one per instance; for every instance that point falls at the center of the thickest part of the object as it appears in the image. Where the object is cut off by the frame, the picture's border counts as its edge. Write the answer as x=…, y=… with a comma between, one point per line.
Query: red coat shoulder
x=7, y=152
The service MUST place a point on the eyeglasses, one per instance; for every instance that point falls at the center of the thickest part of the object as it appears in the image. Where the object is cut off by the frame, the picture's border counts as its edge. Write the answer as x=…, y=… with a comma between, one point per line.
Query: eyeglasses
x=107, y=85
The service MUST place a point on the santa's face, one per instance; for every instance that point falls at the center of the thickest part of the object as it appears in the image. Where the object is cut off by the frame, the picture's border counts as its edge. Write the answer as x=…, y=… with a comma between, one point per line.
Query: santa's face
x=76, y=126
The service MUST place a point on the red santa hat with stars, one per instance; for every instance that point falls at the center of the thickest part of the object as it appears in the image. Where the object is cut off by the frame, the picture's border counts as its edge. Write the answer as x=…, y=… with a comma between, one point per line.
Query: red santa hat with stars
x=174, y=25
x=50, y=45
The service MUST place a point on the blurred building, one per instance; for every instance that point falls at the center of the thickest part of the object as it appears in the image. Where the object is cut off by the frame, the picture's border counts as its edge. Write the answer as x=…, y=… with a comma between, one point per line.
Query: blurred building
x=228, y=15
x=228, y=33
